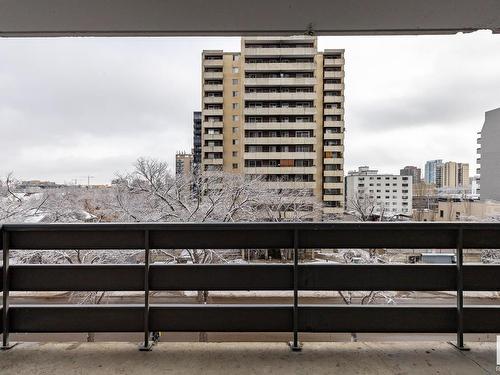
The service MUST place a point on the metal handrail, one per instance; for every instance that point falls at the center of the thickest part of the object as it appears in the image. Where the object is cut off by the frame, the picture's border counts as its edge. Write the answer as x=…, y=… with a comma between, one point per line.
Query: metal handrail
x=287, y=318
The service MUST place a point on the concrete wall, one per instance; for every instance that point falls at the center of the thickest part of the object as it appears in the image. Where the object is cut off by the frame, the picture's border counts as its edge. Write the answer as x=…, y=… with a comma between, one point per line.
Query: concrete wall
x=455, y=211
x=490, y=157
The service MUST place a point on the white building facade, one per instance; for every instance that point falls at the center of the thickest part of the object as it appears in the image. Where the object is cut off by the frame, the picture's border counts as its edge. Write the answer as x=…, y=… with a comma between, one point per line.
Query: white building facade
x=382, y=194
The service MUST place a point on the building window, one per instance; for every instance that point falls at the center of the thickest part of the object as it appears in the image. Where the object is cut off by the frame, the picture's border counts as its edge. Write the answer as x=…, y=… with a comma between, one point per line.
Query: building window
x=235, y=153
x=236, y=105
x=235, y=142
x=235, y=165
x=441, y=213
x=235, y=81
x=236, y=118
x=236, y=69
x=235, y=94
x=235, y=130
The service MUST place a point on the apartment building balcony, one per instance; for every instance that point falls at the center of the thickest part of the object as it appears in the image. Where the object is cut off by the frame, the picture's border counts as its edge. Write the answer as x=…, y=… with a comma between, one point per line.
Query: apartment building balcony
x=478, y=170
x=270, y=67
x=213, y=124
x=333, y=62
x=336, y=173
x=280, y=155
x=280, y=111
x=328, y=74
x=334, y=185
x=280, y=170
x=478, y=151
x=280, y=140
x=337, y=148
x=308, y=81
x=213, y=112
x=208, y=161
x=286, y=318
x=213, y=87
x=272, y=52
x=334, y=86
x=333, y=111
x=280, y=125
x=213, y=149
x=289, y=184
x=209, y=137
x=248, y=357
x=333, y=99
x=280, y=96
x=213, y=63
x=213, y=100
x=334, y=124
x=478, y=160
x=334, y=135
x=213, y=75
x=333, y=160
x=333, y=198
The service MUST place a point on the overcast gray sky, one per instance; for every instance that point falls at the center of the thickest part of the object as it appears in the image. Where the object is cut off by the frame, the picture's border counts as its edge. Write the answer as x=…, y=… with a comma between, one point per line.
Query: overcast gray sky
x=72, y=107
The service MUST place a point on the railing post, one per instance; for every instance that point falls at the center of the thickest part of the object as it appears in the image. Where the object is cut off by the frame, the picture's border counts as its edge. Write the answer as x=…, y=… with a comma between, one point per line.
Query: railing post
x=147, y=345
x=295, y=345
x=460, y=292
x=5, y=298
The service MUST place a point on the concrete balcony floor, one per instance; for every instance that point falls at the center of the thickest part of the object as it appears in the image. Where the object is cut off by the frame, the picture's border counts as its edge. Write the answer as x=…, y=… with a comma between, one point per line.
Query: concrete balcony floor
x=249, y=358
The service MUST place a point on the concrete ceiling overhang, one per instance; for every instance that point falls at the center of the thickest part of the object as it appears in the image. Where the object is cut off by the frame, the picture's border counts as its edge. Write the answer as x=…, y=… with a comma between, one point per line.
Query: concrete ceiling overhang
x=37, y=18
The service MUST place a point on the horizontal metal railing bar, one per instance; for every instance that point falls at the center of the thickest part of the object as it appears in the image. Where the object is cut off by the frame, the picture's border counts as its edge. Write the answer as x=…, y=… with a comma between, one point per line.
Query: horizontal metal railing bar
x=481, y=277
x=247, y=225
x=393, y=277
x=252, y=318
x=77, y=277
x=252, y=235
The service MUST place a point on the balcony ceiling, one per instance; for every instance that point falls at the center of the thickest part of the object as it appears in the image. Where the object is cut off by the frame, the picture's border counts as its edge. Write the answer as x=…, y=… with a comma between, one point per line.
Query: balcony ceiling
x=237, y=17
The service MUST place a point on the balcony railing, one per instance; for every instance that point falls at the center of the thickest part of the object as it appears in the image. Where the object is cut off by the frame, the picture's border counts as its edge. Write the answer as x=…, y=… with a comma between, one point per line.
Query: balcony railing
x=293, y=318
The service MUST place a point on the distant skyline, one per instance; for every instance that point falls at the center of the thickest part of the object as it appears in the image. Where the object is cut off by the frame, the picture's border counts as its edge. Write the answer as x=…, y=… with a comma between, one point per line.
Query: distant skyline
x=73, y=107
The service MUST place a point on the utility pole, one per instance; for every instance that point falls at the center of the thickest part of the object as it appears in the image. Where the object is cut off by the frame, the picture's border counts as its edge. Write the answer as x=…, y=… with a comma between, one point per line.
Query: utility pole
x=88, y=180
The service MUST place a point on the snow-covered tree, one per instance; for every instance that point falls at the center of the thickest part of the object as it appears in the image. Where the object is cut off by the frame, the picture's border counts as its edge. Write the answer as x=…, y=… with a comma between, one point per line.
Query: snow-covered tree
x=362, y=256
x=16, y=206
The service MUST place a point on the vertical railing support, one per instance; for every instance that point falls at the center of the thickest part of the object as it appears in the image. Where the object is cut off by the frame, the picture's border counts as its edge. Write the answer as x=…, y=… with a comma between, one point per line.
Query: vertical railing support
x=5, y=291
x=147, y=345
x=460, y=292
x=295, y=345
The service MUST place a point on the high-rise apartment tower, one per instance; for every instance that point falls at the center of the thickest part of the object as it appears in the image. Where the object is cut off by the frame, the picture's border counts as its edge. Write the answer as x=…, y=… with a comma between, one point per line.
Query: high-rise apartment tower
x=414, y=172
x=183, y=164
x=489, y=156
x=433, y=172
x=196, y=141
x=276, y=110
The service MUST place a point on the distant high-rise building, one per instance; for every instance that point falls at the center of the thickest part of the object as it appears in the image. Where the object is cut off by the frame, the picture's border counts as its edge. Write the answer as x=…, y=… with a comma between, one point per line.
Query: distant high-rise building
x=183, y=164
x=276, y=111
x=414, y=172
x=383, y=194
x=196, y=141
x=489, y=157
x=433, y=172
x=455, y=175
